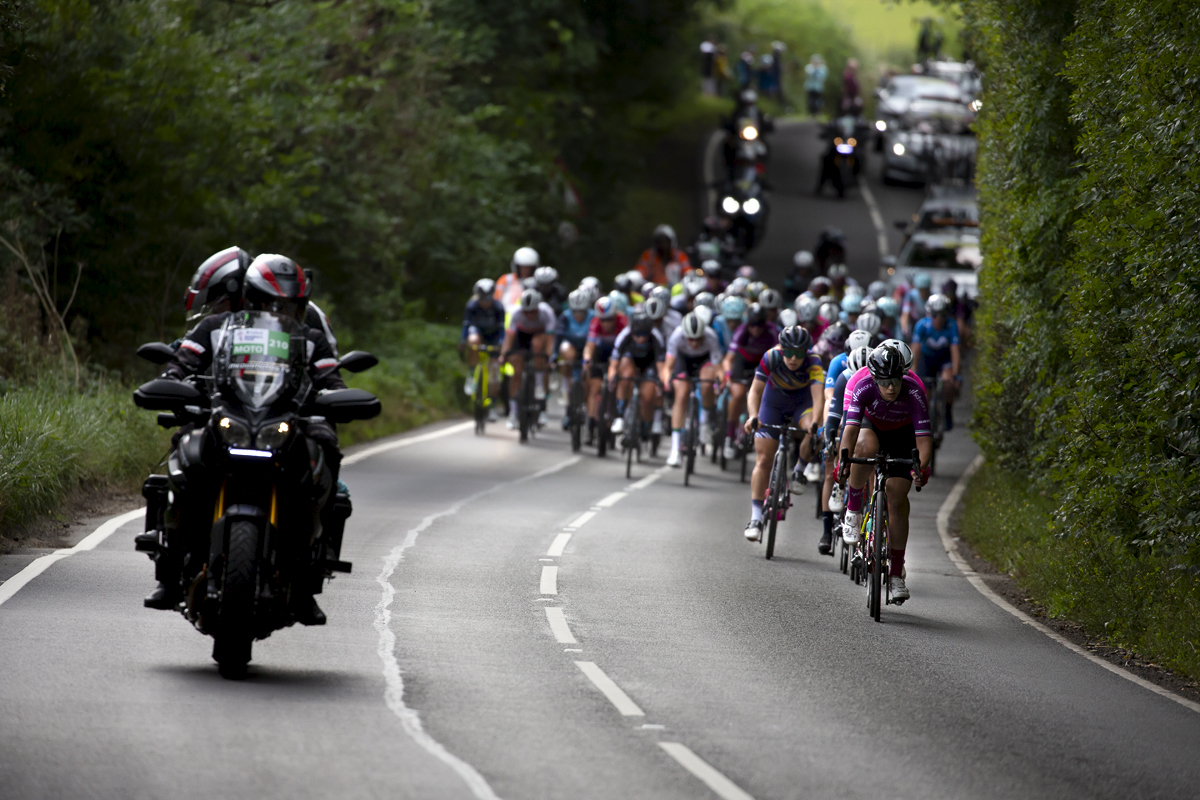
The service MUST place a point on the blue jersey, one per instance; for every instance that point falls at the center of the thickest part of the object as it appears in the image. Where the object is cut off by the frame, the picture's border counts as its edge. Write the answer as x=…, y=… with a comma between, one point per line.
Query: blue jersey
x=569, y=330
x=721, y=328
x=934, y=342
x=487, y=322
x=836, y=365
x=839, y=398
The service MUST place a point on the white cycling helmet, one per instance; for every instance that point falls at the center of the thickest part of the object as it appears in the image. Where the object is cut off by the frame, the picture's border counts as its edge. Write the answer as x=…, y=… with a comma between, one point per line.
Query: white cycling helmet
x=806, y=308
x=591, y=282
x=904, y=349
x=803, y=259
x=525, y=257
x=648, y=287
x=484, y=287
x=788, y=318
x=869, y=322
x=694, y=285
x=858, y=339
x=693, y=327
x=544, y=276
x=770, y=298
x=937, y=304
x=877, y=289
x=530, y=300
x=858, y=358
x=706, y=299
x=738, y=286
x=705, y=314
x=606, y=308
x=580, y=300
x=655, y=307
x=662, y=293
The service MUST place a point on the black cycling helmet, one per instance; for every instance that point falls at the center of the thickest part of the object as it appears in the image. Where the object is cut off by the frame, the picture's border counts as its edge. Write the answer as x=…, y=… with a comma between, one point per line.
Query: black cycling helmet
x=623, y=284
x=836, y=335
x=795, y=338
x=218, y=278
x=640, y=323
x=276, y=283
x=886, y=362
x=756, y=315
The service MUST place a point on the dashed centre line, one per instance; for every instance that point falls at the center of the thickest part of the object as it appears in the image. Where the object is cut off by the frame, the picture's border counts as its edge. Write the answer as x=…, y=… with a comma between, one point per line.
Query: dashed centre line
x=549, y=580
x=581, y=520
x=612, y=499
x=559, y=544
x=614, y=693
x=724, y=788
x=558, y=625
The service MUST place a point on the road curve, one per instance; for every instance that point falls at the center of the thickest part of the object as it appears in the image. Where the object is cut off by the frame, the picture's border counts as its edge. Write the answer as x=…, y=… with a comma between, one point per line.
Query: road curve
x=522, y=623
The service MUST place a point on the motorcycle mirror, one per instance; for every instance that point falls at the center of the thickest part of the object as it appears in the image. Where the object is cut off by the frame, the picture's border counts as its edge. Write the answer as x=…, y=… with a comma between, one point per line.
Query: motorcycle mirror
x=357, y=361
x=156, y=352
x=162, y=394
x=347, y=405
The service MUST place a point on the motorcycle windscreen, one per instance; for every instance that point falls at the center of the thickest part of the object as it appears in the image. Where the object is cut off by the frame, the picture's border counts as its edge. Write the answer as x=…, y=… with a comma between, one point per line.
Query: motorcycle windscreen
x=261, y=360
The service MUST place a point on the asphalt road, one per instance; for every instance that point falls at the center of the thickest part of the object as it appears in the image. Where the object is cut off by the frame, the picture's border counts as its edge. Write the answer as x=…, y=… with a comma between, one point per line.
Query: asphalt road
x=465, y=655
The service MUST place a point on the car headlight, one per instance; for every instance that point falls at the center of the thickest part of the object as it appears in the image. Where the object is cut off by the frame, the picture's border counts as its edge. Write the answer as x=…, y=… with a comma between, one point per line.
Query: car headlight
x=232, y=432
x=976, y=105
x=730, y=206
x=880, y=125
x=749, y=133
x=273, y=435
x=751, y=206
x=898, y=149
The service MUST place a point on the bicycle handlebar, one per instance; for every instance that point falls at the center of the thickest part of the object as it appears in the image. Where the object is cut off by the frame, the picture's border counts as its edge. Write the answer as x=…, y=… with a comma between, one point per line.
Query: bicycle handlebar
x=883, y=460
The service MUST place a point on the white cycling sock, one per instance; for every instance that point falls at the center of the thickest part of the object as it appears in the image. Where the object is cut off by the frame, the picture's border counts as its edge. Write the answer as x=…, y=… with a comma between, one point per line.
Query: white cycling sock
x=676, y=439
x=703, y=415
x=658, y=415
x=512, y=408
x=541, y=380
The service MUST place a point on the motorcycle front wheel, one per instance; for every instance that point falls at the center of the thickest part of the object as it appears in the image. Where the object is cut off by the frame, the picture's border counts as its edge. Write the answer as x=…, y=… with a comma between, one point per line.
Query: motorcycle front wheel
x=235, y=634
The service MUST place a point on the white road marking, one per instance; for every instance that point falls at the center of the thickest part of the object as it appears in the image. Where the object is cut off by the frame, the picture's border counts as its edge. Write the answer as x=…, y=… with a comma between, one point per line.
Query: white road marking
x=581, y=520
x=876, y=218
x=393, y=695
x=943, y=528
x=612, y=499
x=724, y=788
x=652, y=726
x=614, y=693
x=89, y=542
x=549, y=580
x=572, y=650
x=559, y=543
x=646, y=481
x=411, y=440
x=559, y=627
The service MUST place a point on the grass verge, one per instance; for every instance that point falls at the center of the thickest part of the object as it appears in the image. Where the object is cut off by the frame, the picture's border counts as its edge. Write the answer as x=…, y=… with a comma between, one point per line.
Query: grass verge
x=1146, y=603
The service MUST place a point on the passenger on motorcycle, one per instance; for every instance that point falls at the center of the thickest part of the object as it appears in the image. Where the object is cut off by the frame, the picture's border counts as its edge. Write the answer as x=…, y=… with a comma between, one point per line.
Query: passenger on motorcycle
x=639, y=354
x=663, y=262
x=692, y=353
x=936, y=347
x=607, y=324
x=275, y=284
x=511, y=286
x=751, y=341
x=788, y=382
x=530, y=332
x=885, y=412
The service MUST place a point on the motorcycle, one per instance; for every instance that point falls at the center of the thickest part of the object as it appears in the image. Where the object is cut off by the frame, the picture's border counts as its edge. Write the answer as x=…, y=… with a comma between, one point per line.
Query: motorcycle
x=246, y=517
x=744, y=204
x=843, y=159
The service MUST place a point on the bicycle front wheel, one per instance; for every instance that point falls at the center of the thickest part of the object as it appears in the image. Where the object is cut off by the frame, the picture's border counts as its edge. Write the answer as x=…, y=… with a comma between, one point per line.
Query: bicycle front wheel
x=875, y=597
x=779, y=498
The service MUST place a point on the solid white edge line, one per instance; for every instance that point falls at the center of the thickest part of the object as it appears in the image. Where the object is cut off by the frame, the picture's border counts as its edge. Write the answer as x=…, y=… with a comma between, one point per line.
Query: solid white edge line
x=411, y=440
x=393, y=695
x=581, y=520
x=609, y=689
x=39, y=565
x=559, y=544
x=722, y=786
x=612, y=499
x=943, y=527
x=559, y=627
x=876, y=218
x=549, y=582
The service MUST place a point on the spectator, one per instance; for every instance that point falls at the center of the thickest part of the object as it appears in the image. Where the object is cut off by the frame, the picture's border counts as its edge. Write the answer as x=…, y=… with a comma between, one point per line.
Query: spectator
x=721, y=68
x=852, y=102
x=745, y=71
x=777, y=51
x=708, y=56
x=815, y=73
x=766, y=74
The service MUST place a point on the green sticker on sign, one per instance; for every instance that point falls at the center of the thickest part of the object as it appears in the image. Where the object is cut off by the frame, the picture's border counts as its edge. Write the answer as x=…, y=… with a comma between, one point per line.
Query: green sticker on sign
x=259, y=342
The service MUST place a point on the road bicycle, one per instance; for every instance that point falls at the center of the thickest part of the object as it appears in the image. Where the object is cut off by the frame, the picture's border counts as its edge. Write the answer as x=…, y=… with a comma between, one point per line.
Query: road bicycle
x=576, y=405
x=872, y=556
x=717, y=425
x=481, y=401
x=691, y=426
x=606, y=413
x=635, y=433
x=529, y=405
x=779, y=486
x=935, y=390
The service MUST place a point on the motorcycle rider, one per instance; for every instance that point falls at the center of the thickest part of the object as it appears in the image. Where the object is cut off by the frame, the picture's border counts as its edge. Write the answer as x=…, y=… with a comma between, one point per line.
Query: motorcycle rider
x=276, y=284
x=510, y=286
x=663, y=262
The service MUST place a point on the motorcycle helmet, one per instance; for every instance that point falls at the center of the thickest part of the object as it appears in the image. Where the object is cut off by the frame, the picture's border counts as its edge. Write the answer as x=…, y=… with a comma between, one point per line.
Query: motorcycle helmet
x=871, y=323
x=545, y=276
x=217, y=278
x=275, y=283
x=903, y=349
x=732, y=308
x=525, y=258
x=484, y=287
x=579, y=300
x=806, y=308
x=606, y=308
x=770, y=298
x=756, y=315
x=656, y=308
x=530, y=300
x=788, y=317
x=886, y=363
x=693, y=327
x=795, y=338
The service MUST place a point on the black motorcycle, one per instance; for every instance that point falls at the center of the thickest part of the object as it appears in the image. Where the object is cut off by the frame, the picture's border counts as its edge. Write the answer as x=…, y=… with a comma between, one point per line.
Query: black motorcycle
x=247, y=510
x=843, y=159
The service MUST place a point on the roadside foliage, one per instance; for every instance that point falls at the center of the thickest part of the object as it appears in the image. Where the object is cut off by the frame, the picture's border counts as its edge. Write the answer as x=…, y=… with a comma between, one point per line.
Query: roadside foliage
x=1088, y=371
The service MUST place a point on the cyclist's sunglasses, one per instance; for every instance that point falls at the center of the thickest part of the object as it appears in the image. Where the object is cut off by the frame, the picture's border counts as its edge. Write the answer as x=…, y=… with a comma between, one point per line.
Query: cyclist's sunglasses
x=889, y=383
x=794, y=353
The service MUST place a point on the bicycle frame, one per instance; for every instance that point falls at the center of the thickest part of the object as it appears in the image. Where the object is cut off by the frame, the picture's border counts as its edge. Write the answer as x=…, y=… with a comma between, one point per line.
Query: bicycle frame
x=779, y=491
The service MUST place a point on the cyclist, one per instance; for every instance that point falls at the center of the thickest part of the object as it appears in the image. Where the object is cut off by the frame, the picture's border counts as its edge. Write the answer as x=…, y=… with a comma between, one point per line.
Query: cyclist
x=665, y=318
x=832, y=342
x=871, y=323
x=692, y=353
x=714, y=320
x=545, y=280
x=935, y=345
x=771, y=300
x=607, y=323
x=733, y=311
x=889, y=311
x=751, y=341
x=627, y=286
x=530, y=330
x=851, y=307
x=886, y=413
x=913, y=306
x=663, y=262
x=806, y=312
x=510, y=287
x=483, y=325
x=711, y=269
x=788, y=382
x=570, y=336
x=819, y=287
x=855, y=360
x=639, y=354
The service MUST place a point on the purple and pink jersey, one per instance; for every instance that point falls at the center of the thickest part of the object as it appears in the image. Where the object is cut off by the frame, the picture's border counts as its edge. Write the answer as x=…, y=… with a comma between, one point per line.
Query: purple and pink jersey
x=863, y=399
x=753, y=348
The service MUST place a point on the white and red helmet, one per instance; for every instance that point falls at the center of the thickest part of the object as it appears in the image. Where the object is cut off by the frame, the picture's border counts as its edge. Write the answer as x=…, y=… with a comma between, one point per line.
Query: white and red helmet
x=220, y=276
x=276, y=283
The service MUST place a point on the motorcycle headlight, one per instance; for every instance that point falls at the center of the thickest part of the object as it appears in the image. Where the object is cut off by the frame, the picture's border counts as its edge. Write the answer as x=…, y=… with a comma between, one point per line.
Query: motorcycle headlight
x=273, y=435
x=730, y=205
x=898, y=149
x=749, y=133
x=751, y=206
x=232, y=432
x=880, y=125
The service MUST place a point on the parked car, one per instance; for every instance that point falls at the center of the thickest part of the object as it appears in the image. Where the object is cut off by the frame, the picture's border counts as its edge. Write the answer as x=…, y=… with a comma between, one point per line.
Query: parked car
x=895, y=96
x=931, y=143
x=946, y=208
x=943, y=254
x=962, y=74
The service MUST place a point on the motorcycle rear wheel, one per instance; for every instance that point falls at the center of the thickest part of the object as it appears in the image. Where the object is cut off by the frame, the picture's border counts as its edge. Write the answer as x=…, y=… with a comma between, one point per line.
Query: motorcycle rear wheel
x=235, y=634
